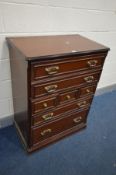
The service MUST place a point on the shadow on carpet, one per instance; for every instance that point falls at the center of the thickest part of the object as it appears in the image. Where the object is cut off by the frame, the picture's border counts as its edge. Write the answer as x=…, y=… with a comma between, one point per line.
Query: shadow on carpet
x=90, y=152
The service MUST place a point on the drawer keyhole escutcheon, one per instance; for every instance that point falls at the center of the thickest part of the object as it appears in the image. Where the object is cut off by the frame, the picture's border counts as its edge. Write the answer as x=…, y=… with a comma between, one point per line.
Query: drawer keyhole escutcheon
x=77, y=120
x=92, y=63
x=46, y=131
x=89, y=79
x=48, y=116
x=52, y=70
x=88, y=90
x=68, y=97
x=51, y=88
x=45, y=105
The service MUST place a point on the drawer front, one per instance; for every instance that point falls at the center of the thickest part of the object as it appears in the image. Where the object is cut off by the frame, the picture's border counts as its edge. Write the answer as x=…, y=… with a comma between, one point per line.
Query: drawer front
x=41, y=133
x=53, y=114
x=68, y=96
x=44, y=70
x=42, y=105
x=87, y=90
x=64, y=84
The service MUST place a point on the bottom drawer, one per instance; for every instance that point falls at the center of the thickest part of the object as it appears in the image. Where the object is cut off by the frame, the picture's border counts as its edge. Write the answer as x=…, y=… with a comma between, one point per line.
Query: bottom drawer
x=46, y=131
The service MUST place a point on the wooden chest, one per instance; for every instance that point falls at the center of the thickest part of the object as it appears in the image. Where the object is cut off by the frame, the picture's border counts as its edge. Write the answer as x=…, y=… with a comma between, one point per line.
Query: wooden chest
x=54, y=79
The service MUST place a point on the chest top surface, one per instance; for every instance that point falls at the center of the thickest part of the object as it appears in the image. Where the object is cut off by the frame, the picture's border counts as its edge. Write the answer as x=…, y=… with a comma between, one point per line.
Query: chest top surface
x=60, y=45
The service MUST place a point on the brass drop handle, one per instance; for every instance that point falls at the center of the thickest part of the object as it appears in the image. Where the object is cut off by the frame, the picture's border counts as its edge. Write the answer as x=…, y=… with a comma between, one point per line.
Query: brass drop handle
x=45, y=105
x=68, y=97
x=77, y=120
x=52, y=70
x=82, y=104
x=92, y=63
x=46, y=131
x=89, y=79
x=51, y=88
x=48, y=116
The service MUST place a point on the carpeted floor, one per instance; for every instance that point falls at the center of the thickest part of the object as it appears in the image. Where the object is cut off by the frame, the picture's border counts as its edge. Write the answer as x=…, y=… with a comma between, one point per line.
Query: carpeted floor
x=89, y=152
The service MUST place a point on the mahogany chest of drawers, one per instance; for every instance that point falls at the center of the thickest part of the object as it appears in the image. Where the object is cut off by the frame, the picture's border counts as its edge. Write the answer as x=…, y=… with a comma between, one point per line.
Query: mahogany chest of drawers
x=54, y=79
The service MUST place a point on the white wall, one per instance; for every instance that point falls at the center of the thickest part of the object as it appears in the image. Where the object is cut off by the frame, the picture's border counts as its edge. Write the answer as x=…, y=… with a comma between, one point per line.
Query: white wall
x=95, y=19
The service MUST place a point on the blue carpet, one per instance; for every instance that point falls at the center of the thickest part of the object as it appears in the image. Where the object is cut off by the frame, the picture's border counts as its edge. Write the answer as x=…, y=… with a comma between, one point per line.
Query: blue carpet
x=89, y=152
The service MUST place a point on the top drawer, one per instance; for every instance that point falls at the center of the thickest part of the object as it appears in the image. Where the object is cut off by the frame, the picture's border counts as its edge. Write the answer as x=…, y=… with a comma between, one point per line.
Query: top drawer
x=73, y=64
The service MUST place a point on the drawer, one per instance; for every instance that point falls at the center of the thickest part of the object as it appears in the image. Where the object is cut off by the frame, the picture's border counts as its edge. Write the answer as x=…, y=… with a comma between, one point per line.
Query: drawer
x=48, y=69
x=42, y=105
x=53, y=114
x=63, y=84
x=87, y=90
x=68, y=96
x=51, y=129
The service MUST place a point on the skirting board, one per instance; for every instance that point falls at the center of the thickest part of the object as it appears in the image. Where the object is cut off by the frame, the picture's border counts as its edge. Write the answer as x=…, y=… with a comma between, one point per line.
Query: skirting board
x=106, y=89
x=7, y=121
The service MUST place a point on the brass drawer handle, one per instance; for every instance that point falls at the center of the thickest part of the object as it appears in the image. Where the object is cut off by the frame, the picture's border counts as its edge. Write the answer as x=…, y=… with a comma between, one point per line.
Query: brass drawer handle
x=92, y=63
x=45, y=105
x=47, y=116
x=46, y=131
x=82, y=104
x=68, y=97
x=89, y=79
x=51, y=88
x=52, y=70
x=77, y=120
